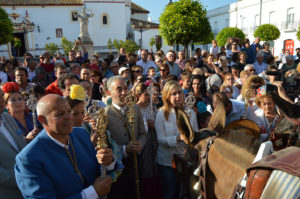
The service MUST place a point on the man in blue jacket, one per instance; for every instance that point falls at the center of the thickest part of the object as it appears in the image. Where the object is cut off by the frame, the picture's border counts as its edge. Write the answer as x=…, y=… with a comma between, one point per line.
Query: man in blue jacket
x=61, y=161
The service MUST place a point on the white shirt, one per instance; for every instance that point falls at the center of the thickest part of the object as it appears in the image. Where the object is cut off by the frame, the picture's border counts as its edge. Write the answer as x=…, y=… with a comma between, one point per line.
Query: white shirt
x=167, y=131
x=89, y=192
x=146, y=65
x=4, y=131
x=214, y=51
x=31, y=74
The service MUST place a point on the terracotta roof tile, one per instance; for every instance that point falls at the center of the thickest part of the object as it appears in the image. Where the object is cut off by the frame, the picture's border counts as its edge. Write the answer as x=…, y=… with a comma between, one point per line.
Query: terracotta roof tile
x=39, y=2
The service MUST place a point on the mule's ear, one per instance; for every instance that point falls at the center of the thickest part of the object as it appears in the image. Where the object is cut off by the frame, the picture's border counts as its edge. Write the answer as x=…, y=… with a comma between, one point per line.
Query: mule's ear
x=184, y=126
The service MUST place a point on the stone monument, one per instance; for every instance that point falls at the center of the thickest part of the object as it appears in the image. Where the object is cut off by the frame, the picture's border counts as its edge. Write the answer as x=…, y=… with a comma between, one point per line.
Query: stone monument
x=84, y=30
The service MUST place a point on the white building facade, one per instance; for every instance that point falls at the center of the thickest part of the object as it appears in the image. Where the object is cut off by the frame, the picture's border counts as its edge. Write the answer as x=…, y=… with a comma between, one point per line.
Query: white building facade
x=47, y=21
x=245, y=15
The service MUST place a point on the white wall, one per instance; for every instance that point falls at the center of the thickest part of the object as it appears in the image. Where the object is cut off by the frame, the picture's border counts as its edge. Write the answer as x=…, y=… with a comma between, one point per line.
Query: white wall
x=247, y=10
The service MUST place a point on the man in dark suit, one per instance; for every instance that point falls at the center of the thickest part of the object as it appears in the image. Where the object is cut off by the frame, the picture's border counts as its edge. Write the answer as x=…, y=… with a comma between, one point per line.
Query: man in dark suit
x=120, y=131
x=11, y=143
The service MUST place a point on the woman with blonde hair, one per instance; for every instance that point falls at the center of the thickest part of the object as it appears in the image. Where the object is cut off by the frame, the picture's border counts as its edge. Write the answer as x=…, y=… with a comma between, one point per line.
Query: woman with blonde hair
x=252, y=84
x=267, y=116
x=169, y=138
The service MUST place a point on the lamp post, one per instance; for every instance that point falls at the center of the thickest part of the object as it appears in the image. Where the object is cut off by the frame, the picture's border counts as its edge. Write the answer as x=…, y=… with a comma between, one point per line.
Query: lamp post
x=141, y=27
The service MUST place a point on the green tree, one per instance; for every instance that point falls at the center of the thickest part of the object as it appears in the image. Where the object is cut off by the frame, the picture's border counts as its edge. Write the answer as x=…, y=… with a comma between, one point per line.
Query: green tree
x=158, y=42
x=130, y=46
x=6, y=29
x=208, y=39
x=116, y=44
x=109, y=45
x=152, y=42
x=52, y=48
x=225, y=33
x=298, y=33
x=267, y=32
x=184, y=21
x=66, y=45
x=17, y=44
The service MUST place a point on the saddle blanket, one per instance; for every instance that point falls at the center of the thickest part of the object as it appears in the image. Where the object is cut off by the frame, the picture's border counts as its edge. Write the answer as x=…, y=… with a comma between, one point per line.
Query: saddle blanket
x=282, y=185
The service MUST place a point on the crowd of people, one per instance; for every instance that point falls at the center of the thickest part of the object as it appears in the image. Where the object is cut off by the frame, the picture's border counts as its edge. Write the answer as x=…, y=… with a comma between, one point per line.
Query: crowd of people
x=53, y=155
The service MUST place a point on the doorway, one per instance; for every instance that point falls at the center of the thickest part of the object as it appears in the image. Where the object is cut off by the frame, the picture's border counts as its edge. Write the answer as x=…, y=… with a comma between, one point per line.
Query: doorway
x=18, y=52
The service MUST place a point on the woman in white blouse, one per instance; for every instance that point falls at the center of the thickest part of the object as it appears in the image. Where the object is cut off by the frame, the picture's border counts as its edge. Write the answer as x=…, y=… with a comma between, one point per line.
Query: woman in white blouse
x=169, y=138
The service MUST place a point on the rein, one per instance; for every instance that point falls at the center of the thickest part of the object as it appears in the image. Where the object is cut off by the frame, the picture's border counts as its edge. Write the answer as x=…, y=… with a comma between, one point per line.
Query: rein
x=203, y=166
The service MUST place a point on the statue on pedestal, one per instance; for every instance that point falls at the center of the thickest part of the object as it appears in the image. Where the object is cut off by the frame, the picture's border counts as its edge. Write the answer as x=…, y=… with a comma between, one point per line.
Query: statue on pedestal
x=84, y=21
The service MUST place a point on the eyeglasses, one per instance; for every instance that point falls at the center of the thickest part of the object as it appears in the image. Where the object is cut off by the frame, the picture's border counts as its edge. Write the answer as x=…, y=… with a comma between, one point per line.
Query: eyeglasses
x=159, y=61
x=137, y=71
x=162, y=70
x=42, y=57
x=114, y=66
x=234, y=44
x=252, y=70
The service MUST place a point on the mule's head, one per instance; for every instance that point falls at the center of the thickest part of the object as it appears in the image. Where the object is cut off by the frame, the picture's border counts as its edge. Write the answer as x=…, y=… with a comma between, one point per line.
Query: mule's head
x=185, y=129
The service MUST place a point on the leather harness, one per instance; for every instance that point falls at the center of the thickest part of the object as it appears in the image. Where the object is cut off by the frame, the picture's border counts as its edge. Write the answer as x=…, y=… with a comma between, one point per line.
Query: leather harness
x=203, y=167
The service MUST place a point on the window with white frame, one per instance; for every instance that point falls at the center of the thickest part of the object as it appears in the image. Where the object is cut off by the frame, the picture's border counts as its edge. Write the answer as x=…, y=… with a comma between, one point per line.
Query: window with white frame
x=290, y=18
x=257, y=21
x=272, y=18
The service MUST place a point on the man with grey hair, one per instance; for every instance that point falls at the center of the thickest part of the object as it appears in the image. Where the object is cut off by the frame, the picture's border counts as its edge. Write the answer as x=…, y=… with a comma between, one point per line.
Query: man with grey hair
x=61, y=161
x=120, y=131
x=174, y=68
x=114, y=67
x=259, y=65
x=289, y=64
x=144, y=62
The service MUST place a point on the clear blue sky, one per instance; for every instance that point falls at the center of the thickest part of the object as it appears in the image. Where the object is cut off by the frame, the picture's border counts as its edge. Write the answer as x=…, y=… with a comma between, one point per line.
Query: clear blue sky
x=157, y=6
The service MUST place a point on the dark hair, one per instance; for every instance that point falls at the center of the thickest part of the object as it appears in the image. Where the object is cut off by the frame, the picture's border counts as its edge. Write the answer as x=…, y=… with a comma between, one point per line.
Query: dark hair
x=61, y=80
x=73, y=102
x=22, y=69
x=59, y=66
x=203, y=85
x=121, y=59
x=14, y=60
x=28, y=54
x=270, y=59
x=201, y=117
x=172, y=77
x=272, y=67
x=37, y=90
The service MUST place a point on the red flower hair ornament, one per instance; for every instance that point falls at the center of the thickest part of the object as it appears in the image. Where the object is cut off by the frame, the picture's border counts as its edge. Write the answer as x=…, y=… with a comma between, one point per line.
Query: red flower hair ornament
x=10, y=86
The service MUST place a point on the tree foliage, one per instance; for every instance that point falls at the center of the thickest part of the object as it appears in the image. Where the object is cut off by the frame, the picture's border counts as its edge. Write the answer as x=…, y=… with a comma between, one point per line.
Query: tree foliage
x=208, y=40
x=116, y=44
x=184, y=21
x=6, y=29
x=267, y=32
x=298, y=33
x=130, y=45
x=52, y=48
x=225, y=33
x=17, y=43
x=152, y=41
x=66, y=45
x=109, y=45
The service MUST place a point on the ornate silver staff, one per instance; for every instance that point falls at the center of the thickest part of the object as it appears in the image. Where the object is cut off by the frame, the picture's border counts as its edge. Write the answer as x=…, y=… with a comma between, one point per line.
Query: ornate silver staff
x=98, y=113
x=150, y=92
x=31, y=103
x=189, y=102
x=130, y=100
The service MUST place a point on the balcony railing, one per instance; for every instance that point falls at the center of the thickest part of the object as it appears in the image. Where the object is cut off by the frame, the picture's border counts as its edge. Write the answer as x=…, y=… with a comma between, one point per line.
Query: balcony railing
x=291, y=26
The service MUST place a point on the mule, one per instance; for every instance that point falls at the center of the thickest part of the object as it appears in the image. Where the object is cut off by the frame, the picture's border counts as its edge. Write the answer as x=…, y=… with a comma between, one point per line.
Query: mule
x=228, y=157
